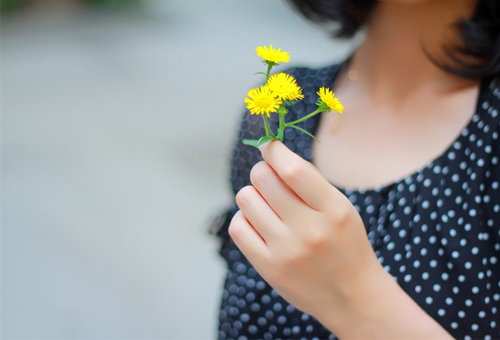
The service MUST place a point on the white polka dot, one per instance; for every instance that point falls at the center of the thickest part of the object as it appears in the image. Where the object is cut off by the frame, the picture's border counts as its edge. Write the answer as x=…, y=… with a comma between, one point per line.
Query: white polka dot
x=435, y=230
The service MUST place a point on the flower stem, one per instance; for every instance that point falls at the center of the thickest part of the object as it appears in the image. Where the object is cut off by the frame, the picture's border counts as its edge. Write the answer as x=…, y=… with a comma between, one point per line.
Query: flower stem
x=269, y=67
x=281, y=130
x=266, y=123
x=303, y=118
x=268, y=129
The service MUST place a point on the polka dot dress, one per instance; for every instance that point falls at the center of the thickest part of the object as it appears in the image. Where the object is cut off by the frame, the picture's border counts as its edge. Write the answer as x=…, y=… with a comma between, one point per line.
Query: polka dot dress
x=437, y=231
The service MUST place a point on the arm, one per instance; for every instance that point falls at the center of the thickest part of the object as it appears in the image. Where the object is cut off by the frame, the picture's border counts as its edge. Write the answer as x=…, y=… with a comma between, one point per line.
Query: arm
x=309, y=243
x=381, y=309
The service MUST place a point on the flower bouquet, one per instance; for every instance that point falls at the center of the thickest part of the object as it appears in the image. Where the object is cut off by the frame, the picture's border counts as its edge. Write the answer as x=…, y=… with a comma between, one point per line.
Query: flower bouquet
x=278, y=92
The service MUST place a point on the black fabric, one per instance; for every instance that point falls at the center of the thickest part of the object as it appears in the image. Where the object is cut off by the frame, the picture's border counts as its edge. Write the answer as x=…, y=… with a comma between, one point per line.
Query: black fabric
x=437, y=231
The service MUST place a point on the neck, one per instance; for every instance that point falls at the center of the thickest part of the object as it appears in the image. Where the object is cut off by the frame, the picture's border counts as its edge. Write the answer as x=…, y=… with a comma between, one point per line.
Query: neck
x=390, y=61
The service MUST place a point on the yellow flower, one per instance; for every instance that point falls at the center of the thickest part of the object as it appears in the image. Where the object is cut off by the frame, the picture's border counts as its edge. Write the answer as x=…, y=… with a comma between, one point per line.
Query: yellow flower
x=272, y=55
x=328, y=101
x=262, y=100
x=285, y=87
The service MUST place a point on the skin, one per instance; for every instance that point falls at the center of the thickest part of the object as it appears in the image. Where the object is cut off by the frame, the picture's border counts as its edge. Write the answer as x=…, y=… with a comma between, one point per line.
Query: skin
x=411, y=110
x=298, y=230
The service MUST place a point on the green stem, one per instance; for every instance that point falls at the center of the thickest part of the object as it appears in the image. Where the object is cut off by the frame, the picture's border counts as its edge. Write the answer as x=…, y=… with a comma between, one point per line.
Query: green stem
x=269, y=67
x=268, y=129
x=303, y=118
x=266, y=123
x=282, y=125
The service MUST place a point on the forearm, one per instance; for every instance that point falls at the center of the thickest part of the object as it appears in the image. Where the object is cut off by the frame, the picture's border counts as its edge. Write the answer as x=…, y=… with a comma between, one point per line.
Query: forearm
x=382, y=310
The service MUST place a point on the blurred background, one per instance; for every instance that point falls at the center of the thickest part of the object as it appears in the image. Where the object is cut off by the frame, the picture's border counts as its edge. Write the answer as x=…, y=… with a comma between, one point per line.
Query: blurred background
x=117, y=123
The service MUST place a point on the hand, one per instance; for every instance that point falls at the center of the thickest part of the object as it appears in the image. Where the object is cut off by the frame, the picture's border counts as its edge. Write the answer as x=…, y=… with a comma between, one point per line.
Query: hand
x=302, y=235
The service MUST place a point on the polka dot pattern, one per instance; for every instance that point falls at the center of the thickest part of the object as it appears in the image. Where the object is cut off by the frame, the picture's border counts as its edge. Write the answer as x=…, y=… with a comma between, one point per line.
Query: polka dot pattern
x=437, y=231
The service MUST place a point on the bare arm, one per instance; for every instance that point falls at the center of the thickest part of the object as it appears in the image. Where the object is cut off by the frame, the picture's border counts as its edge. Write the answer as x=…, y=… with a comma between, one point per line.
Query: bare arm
x=382, y=310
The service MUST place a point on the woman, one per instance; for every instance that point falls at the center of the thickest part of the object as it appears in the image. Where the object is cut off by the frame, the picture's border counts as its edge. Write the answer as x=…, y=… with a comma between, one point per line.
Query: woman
x=390, y=227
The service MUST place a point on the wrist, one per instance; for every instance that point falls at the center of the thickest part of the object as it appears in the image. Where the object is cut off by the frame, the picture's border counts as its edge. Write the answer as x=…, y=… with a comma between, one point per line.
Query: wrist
x=380, y=308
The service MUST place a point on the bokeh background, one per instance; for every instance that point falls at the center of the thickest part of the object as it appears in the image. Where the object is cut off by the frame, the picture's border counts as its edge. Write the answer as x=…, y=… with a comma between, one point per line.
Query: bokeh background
x=117, y=123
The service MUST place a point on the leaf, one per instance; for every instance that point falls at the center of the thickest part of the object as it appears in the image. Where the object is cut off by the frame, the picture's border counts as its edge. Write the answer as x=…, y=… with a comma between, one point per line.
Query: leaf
x=251, y=142
x=264, y=139
x=301, y=129
x=260, y=73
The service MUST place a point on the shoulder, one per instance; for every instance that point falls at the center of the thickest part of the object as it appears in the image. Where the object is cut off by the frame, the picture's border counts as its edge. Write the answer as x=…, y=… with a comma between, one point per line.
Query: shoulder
x=491, y=93
x=310, y=77
x=490, y=98
x=310, y=80
x=488, y=116
x=484, y=153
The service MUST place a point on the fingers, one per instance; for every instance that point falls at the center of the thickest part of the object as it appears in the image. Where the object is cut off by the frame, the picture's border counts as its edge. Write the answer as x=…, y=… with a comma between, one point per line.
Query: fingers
x=248, y=240
x=260, y=215
x=275, y=192
x=300, y=175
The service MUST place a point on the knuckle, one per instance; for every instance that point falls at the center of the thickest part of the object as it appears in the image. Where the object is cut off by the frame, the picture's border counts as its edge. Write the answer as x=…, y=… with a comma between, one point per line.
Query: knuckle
x=316, y=237
x=290, y=259
x=259, y=173
x=339, y=215
x=295, y=172
x=344, y=217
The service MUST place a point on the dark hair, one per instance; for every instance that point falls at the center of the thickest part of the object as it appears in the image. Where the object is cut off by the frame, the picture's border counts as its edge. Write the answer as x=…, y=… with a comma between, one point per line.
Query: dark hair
x=477, y=53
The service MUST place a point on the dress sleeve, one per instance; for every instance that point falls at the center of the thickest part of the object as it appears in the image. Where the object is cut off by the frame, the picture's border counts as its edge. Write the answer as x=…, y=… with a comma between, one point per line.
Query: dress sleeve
x=490, y=199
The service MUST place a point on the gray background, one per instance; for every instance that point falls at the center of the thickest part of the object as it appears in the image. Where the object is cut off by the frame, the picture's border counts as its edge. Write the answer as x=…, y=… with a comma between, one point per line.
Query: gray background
x=116, y=134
